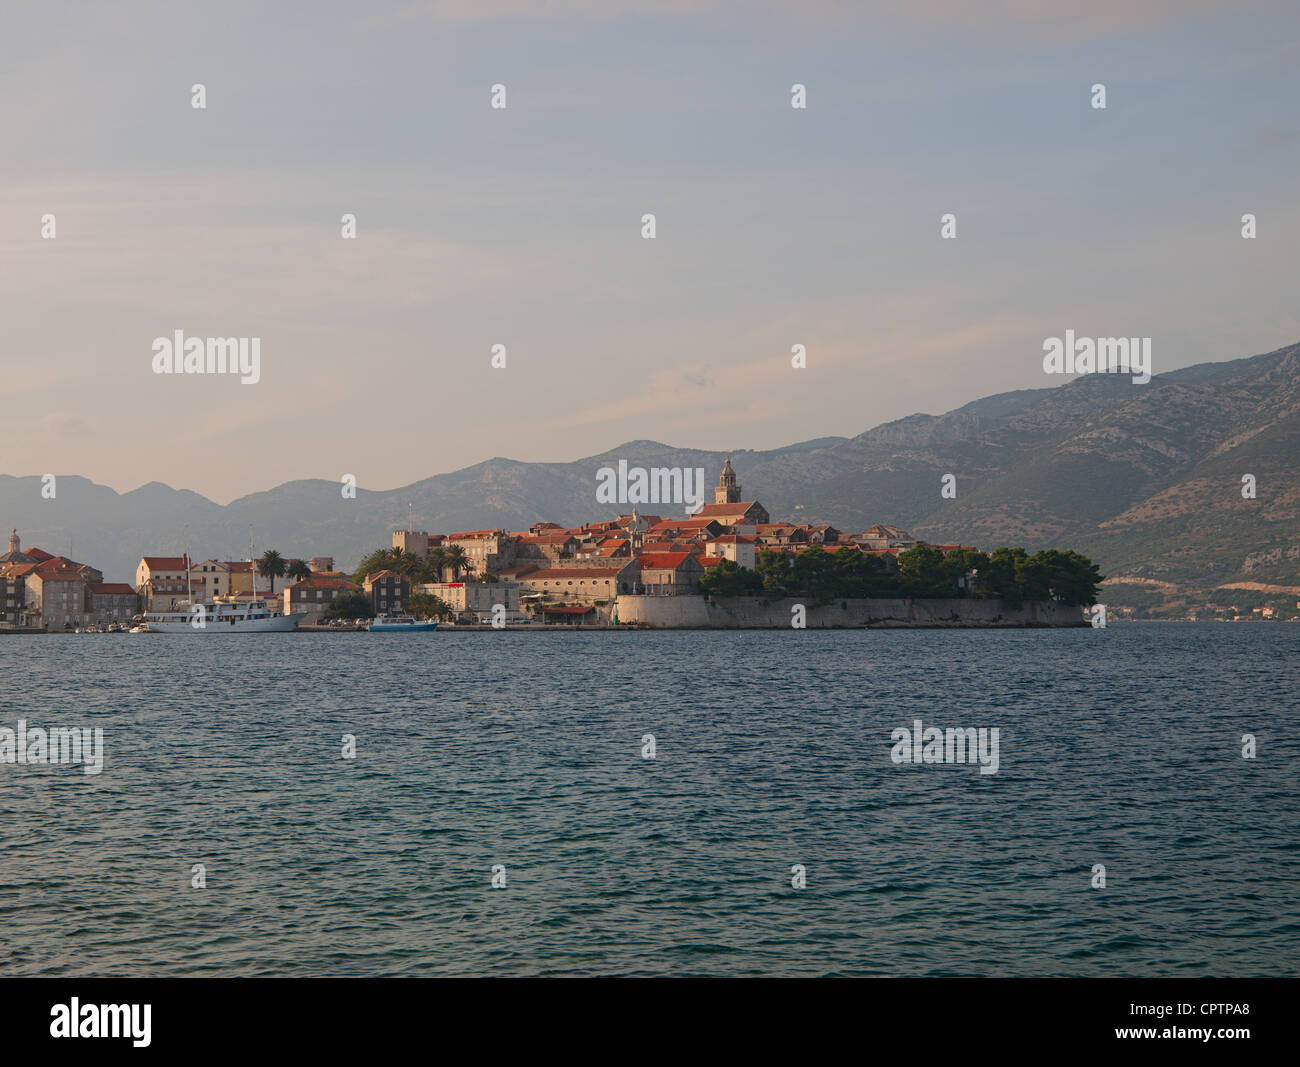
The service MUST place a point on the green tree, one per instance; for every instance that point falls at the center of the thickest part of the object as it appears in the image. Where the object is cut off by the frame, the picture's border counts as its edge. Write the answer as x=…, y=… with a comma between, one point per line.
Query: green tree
x=813, y=572
x=920, y=571
x=271, y=566
x=457, y=560
x=379, y=560
x=960, y=562
x=428, y=606
x=730, y=579
x=298, y=570
x=1069, y=576
x=774, y=568
x=349, y=604
x=858, y=573
x=434, y=564
x=1000, y=576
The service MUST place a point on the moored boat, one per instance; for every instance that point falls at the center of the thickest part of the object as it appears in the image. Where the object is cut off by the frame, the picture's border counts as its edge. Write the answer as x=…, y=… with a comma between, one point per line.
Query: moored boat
x=224, y=615
x=398, y=624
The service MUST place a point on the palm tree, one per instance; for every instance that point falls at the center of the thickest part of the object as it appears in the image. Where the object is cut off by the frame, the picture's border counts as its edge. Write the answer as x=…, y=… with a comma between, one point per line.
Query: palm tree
x=407, y=565
x=298, y=570
x=457, y=560
x=435, y=563
x=378, y=560
x=272, y=566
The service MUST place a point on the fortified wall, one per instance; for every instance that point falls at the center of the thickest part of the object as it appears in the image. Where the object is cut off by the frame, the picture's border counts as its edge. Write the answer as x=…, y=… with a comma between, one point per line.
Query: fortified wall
x=755, y=613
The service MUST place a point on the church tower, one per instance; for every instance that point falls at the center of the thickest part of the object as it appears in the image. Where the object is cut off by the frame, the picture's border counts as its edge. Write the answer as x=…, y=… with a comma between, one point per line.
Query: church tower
x=15, y=545
x=728, y=490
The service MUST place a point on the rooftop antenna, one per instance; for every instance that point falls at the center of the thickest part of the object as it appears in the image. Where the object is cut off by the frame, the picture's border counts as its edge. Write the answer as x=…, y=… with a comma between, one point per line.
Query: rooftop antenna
x=410, y=509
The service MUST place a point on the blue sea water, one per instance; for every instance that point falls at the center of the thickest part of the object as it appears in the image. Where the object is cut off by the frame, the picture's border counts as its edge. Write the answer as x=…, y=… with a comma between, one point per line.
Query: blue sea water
x=1120, y=747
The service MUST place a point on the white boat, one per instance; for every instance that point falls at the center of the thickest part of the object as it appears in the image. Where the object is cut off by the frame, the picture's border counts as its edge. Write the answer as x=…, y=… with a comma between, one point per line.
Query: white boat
x=398, y=623
x=223, y=615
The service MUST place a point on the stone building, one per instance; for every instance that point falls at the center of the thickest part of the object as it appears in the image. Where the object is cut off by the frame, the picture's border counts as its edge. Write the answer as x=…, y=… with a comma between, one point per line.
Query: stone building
x=670, y=573
x=313, y=595
x=580, y=584
x=111, y=602
x=477, y=598
x=389, y=592
x=729, y=509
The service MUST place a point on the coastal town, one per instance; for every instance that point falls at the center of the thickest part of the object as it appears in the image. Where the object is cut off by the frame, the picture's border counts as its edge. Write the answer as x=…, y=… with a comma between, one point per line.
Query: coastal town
x=548, y=574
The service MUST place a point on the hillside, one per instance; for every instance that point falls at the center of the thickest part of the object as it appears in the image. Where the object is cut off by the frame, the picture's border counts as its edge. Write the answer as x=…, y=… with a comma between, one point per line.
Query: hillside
x=1144, y=478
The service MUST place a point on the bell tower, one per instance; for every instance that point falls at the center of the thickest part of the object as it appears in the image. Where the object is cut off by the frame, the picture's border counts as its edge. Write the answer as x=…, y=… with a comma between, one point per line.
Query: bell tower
x=728, y=489
x=14, y=544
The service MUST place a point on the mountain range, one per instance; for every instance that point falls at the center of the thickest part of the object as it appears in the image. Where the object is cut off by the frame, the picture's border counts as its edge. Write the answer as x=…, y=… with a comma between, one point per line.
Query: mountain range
x=1146, y=479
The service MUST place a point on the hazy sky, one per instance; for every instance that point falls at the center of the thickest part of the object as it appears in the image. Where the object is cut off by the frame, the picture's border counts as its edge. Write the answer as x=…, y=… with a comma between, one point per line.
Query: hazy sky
x=522, y=226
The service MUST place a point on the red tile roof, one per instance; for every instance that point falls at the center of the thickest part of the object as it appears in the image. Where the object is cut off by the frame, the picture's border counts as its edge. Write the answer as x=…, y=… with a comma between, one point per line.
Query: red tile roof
x=114, y=588
x=663, y=561
x=515, y=572
x=738, y=508
x=321, y=581
x=165, y=563
x=552, y=573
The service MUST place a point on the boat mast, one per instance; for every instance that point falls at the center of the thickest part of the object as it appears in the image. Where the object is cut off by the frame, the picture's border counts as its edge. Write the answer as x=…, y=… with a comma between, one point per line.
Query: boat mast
x=189, y=586
x=252, y=563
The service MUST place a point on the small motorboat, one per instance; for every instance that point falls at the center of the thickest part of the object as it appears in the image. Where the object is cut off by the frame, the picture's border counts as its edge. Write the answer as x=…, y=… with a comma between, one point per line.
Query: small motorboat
x=398, y=624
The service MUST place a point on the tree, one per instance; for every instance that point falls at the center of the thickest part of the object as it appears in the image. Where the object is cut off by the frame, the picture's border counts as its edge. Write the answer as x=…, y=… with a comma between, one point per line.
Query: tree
x=428, y=606
x=1016, y=576
x=774, y=568
x=271, y=566
x=435, y=564
x=379, y=560
x=1000, y=577
x=813, y=572
x=458, y=561
x=298, y=570
x=1069, y=576
x=730, y=579
x=857, y=573
x=920, y=569
x=349, y=604
x=960, y=562
x=1033, y=576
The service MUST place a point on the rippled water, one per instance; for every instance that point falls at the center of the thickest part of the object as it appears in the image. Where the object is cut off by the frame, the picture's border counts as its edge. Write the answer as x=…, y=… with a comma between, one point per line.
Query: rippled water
x=1120, y=747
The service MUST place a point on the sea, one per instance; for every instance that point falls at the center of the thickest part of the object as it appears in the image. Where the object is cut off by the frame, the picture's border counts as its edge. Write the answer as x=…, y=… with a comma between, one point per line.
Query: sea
x=656, y=803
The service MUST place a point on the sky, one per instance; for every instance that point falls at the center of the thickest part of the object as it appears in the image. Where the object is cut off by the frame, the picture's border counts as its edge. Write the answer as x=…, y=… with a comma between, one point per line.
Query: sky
x=522, y=226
